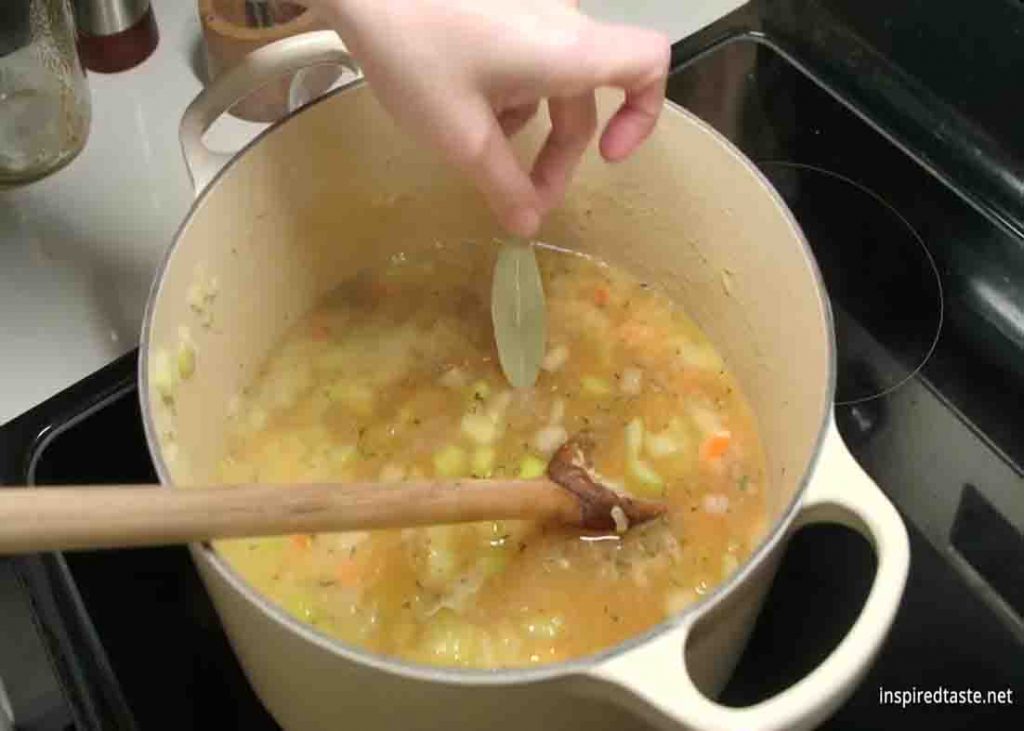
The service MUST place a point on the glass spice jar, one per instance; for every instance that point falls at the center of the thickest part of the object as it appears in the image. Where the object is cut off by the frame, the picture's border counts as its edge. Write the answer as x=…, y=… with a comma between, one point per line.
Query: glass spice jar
x=45, y=107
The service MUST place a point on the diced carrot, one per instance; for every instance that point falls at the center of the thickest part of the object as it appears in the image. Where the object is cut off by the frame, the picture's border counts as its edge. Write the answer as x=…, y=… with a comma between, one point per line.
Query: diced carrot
x=601, y=296
x=715, y=445
x=349, y=571
x=302, y=541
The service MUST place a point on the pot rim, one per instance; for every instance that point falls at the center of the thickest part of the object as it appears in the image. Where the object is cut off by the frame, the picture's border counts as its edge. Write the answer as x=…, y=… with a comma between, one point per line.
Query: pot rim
x=469, y=677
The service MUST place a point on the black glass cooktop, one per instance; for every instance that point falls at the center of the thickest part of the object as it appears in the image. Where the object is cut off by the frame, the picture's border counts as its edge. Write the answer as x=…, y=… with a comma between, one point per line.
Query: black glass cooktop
x=922, y=284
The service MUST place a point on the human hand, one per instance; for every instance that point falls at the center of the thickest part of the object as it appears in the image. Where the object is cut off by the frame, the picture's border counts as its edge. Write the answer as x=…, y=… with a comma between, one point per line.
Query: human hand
x=466, y=75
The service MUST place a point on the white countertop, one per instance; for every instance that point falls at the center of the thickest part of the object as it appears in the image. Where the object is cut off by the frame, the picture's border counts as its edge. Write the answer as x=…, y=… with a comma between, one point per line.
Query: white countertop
x=78, y=250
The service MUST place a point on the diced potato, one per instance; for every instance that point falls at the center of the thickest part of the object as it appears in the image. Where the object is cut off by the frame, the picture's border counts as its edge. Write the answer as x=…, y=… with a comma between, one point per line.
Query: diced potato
x=186, y=360
x=698, y=355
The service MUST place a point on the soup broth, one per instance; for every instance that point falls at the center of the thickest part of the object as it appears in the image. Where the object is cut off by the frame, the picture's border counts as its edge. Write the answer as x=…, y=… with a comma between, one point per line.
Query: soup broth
x=395, y=376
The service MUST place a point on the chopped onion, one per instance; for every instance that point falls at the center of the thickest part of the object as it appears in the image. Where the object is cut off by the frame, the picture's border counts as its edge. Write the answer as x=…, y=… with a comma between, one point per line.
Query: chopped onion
x=480, y=428
x=631, y=381
x=621, y=521
x=557, y=411
x=716, y=504
x=555, y=358
x=550, y=438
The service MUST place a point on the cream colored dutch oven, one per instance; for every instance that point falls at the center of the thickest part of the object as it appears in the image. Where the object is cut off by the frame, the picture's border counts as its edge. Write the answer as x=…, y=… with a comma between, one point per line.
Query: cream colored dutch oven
x=336, y=186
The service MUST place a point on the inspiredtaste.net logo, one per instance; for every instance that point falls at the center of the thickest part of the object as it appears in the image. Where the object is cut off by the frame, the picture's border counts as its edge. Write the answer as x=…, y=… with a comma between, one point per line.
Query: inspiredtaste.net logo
x=944, y=696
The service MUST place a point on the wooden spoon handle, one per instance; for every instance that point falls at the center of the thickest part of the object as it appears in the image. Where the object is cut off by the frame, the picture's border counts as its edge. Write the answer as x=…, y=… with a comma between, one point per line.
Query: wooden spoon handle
x=85, y=517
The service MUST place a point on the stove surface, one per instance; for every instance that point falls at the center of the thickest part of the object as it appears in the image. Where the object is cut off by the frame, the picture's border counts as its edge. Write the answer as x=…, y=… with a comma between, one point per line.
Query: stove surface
x=925, y=382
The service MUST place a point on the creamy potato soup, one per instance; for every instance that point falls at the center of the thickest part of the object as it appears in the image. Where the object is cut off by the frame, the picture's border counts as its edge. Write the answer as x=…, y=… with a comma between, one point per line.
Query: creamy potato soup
x=395, y=376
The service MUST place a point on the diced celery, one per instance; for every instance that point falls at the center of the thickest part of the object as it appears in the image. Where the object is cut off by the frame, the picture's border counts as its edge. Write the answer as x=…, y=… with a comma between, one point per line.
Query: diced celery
x=597, y=387
x=532, y=467
x=650, y=482
x=450, y=461
x=482, y=462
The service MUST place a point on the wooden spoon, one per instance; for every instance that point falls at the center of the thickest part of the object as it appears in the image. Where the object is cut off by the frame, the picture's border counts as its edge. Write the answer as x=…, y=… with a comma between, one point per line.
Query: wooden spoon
x=90, y=517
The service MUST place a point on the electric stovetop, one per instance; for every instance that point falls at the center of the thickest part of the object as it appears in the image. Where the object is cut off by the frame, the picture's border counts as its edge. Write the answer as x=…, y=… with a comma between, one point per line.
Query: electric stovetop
x=923, y=278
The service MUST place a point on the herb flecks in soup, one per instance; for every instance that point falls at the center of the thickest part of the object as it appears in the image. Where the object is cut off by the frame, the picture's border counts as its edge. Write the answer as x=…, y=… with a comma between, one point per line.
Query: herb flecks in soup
x=395, y=377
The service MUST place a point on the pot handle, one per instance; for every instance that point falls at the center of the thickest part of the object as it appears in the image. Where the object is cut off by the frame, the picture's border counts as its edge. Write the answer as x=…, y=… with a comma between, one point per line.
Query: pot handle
x=841, y=492
x=265, y=64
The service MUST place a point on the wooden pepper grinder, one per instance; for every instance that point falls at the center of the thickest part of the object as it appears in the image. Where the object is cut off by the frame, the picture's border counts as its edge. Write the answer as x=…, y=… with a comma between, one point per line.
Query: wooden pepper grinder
x=234, y=28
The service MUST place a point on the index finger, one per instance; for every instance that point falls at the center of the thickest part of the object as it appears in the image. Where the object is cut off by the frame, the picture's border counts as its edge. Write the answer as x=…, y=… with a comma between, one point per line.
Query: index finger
x=633, y=59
